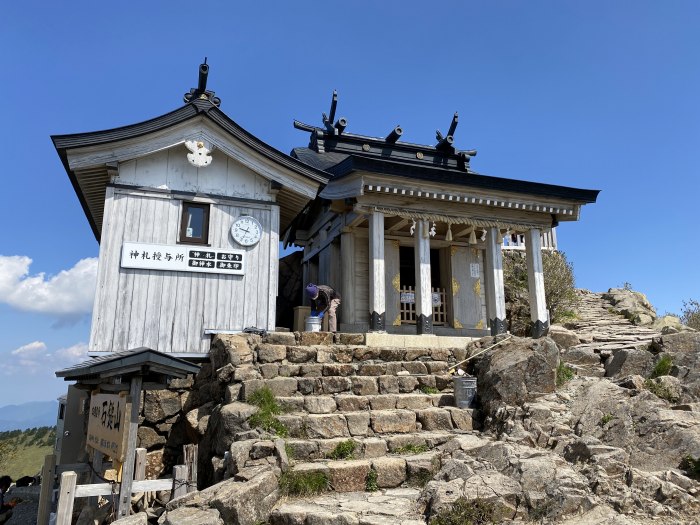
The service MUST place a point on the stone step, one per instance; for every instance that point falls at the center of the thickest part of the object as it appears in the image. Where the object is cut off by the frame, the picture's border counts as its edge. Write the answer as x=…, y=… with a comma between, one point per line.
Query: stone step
x=391, y=471
x=376, y=422
x=327, y=404
x=357, y=385
x=383, y=507
x=275, y=353
x=368, y=368
x=367, y=447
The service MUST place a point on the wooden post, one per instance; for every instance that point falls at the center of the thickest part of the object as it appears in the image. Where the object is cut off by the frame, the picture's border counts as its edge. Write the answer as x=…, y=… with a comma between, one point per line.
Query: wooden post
x=96, y=472
x=66, y=497
x=347, y=275
x=535, y=281
x=189, y=453
x=140, y=471
x=495, y=293
x=124, y=503
x=424, y=296
x=377, y=285
x=179, y=481
x=47, y=479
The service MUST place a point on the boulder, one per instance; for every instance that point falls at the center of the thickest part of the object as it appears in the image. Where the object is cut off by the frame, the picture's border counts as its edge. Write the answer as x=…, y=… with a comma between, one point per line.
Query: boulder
x=519, y=370
x=348, y=476
x=632, y=361
x=246, y=503
x=391, y=471
x=231, y=348
x=197, y=421
x=149, y=438
x=160, y=404
x=191, y=516
x=564, y=338
x=633, y=305
x=140, y=518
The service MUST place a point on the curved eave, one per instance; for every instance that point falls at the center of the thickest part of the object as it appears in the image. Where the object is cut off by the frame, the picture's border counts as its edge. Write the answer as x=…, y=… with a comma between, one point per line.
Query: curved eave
x=455, y=178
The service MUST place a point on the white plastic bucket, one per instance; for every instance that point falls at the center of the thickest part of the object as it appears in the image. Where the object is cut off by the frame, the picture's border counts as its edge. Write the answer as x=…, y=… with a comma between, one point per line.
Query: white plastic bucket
x=313, y=324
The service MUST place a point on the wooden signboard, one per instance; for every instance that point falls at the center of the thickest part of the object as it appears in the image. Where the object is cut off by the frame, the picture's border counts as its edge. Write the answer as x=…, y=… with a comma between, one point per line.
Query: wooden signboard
x=182, y=258
x=108, y=425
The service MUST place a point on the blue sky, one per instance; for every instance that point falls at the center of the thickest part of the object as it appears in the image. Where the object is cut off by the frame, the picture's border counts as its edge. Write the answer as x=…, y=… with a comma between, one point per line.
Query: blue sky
x=594, y=94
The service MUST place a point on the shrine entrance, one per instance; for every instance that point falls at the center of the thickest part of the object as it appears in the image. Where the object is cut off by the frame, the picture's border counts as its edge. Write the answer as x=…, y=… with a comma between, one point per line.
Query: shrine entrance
x=438, y=280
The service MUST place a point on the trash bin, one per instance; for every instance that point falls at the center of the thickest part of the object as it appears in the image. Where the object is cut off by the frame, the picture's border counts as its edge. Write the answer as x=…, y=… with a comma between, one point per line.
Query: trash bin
x=313, y=324
x=465, y=391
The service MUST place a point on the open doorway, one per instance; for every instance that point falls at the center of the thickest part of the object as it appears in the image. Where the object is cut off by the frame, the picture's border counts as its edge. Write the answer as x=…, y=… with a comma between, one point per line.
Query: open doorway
x=439, y=276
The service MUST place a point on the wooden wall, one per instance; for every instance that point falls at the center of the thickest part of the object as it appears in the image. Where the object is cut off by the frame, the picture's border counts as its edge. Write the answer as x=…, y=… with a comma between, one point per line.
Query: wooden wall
x=169, y=311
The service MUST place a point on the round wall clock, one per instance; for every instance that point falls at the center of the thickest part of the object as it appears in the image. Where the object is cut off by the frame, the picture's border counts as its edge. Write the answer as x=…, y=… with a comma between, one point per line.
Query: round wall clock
x=246, y=230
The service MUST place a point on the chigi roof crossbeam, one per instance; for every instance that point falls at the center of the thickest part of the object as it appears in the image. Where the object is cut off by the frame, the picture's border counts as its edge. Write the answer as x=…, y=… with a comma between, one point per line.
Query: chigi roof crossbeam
x=333, y=138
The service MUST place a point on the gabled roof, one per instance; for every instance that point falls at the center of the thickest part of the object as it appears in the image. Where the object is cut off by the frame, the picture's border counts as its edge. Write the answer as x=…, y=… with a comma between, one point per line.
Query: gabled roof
x=91, y=193
x=141, y=361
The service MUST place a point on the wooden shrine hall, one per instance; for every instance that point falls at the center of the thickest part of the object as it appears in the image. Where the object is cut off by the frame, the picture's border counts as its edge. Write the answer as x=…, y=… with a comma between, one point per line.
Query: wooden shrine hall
x=411, y=236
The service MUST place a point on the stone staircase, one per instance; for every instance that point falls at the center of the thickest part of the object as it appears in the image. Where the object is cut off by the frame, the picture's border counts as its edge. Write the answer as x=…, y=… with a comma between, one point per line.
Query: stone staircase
x=390, y=407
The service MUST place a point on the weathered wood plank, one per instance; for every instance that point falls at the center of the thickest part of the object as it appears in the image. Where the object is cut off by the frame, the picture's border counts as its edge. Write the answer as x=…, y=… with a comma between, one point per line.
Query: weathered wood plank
x=66, y=498
x=179, y=481
x=124, y=503
x=106, y=489
x=47, y=480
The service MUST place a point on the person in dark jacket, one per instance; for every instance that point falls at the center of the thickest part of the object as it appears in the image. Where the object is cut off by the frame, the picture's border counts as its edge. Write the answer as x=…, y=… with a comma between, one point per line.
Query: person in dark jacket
x=324, y=299
x=5, y=506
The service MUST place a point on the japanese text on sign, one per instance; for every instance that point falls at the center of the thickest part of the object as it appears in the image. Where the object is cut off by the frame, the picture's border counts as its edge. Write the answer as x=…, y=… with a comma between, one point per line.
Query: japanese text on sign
x=410, y=298
x=107, y=425
x=182, y=258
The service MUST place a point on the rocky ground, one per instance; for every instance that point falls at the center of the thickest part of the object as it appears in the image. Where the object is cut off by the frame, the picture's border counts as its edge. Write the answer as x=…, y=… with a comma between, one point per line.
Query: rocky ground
x=593, y=424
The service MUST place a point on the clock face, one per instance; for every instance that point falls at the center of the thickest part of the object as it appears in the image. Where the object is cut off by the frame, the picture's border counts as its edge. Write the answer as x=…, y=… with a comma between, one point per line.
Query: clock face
x=246, y=230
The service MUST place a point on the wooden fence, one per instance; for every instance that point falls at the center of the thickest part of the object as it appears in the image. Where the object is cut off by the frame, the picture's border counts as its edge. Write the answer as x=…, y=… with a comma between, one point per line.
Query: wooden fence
x=408, y=305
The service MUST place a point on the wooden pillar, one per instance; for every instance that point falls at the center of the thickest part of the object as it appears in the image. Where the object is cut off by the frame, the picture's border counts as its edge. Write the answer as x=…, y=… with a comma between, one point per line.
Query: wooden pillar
x=495, y=294
x=347, y=271
x=189, y=454
x=124, y=503
x=47, y=479
x=424, y=297
x=377, y=284
x=66, y=498
x=95, y=477
x=535, y=281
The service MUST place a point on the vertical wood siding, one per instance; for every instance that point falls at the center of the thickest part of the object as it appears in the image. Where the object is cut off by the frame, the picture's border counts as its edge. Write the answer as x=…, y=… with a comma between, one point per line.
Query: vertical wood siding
x=169, y=311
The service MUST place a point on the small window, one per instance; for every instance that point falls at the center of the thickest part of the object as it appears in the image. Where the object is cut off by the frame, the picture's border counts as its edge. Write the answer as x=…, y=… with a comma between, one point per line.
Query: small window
x=194, y=225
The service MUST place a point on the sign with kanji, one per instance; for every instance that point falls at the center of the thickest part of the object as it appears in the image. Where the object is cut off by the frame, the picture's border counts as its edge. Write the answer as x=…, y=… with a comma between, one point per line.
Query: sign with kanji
x=108, y=425
x=182, y=258
x=410, y=298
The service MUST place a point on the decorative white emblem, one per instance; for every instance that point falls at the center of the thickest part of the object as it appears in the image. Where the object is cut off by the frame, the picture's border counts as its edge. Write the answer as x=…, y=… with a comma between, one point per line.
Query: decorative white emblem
x=199, y=157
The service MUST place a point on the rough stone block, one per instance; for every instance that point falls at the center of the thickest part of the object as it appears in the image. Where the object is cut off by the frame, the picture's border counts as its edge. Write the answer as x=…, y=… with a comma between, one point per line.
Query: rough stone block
x=288, y=370
x=385, y=402
x=426, y=381
x=351, y=339
x=343, y=354
x=397, y=421
x=392, y=354
x=372, y=369
x=319, y=405
x=282, y=386
x=414, y=401
x=358, y=423
x=374, y=447
x=394, y=368
x=326, y=426
x=388, y=385
x=230, y=348
x=315, y=338
x=348, y=403
x=436, y=367
x=149, y=438
x=302, y=449
x=280, y=338
x=271, y=353
x=338, y=369
x=160, y=404
x=443, y=400
x=434, y=419
x=231, y=392
x=348, y=476
x=246, y=373
x=335, y=385
x=269, y=370
x=249, y=502
x=461, y=418
x=398, y=442
x=443, y=382
x=391, y=472
x=262, y=449
x=365, y=353
x=181, y=383
x=250, y=386
x=294, y=424
x=415, y=367
x=186, y=516
x=422, y=467
x=308, y=385
x=314, y=370
x=415, y=353
x=291, y=404
x=300, y=354
x=407, y=384
x=364, y=386
x=239, y=454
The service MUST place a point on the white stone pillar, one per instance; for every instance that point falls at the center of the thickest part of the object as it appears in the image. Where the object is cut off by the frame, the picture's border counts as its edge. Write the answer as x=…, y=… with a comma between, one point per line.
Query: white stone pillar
x=377, y=284
x=535, y=281
x=495, y=294
x=424, y=299
x=347, y=271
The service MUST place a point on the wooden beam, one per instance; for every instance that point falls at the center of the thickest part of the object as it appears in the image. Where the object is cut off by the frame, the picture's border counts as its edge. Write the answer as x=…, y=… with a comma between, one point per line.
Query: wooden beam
x=495, y=293
x=66, y=498
x=189, y=453
x=397, y=225
x=463, y=231
x=105, y=489
x=535, y=282
x=124, y=503
x=179, y=483
x=47, y=479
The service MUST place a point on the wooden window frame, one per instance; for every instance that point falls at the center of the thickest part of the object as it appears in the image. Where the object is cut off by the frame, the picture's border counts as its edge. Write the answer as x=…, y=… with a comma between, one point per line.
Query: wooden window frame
x=182, y=238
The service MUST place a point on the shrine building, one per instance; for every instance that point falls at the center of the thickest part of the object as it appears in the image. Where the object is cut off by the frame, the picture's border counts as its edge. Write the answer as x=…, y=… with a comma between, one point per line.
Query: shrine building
x=189, y=210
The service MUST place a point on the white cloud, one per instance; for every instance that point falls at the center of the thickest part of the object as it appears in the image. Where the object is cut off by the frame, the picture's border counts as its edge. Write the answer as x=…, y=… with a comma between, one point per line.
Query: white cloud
x=70, y=293
x=35, y=357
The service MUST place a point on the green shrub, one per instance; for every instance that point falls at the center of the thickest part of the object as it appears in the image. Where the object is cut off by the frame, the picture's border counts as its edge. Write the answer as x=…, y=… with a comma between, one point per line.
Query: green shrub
x=660, y=391
x=303, y=483
x=559, y=289
x=467, y=512
x=607, y=418
x=343, y=450
x=411, y=449
x=371, y=481
x=268, y=408
x=429, y=389
x=564, y=373
x=663, y=366
x=691, y=467
x=691, y=314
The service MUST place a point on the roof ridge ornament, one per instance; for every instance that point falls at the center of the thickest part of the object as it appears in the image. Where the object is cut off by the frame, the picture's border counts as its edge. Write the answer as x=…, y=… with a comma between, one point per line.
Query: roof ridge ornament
x=201, y=92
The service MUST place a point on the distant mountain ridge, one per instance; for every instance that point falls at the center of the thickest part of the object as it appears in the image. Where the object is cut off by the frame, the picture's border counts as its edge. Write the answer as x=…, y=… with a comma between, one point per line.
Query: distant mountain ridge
x=28, y=415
